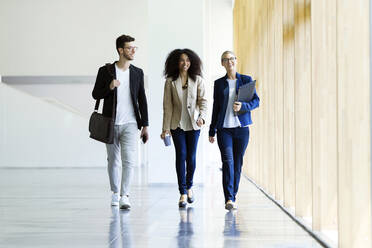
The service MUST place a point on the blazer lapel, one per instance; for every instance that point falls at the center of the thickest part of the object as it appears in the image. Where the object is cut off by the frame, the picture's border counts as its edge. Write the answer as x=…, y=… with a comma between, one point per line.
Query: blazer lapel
x=178, y=87
x=225, y=89
x=238, y=83
x=112, y=69
x=190, y=88
x=132, y=80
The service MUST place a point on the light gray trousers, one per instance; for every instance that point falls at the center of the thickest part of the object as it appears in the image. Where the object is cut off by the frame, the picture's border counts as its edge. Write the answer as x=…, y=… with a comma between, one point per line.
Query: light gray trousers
x=124, y=150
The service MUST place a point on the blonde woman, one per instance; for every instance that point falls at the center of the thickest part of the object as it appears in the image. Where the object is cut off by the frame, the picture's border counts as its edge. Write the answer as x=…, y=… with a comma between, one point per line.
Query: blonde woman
x=232, y=128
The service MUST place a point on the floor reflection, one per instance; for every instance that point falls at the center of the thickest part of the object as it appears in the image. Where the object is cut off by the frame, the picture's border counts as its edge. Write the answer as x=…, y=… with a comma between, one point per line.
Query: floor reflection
x=231, y=230
x=154, y=220
x=185, y=228
x=119, y=235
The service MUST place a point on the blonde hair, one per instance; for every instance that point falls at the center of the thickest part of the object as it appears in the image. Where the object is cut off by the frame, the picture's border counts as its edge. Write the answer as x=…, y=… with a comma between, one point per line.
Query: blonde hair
x=227, y=52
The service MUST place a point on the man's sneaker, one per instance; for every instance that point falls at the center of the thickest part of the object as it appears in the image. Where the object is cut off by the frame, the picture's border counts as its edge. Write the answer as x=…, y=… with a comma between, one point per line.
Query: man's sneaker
x=229, y=205
x=235, y=206
x=115, y=199
x=124, y=202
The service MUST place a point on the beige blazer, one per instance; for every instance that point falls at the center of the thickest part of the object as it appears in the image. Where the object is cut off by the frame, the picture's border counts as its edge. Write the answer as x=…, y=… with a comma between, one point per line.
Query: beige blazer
x=172, y=103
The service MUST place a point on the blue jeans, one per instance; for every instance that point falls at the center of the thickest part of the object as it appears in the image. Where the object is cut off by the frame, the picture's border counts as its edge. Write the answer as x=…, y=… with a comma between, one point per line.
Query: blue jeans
x=232, y=143
x=185, y=143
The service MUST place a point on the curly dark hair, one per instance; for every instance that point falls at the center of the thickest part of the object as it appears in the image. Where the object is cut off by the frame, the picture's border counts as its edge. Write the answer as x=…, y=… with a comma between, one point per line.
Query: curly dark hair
x=171, y=64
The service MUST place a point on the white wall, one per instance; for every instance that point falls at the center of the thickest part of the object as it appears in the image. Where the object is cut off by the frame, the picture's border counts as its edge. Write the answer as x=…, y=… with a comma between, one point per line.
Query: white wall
x=34, y=133
x=57, y=43
x=42, y=37
x=220, y=34
x=78, y=97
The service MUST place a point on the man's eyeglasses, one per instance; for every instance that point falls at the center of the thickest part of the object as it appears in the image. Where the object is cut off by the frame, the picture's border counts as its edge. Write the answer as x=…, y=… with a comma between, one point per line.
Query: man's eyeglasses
x=134, y=48
x=225, y=60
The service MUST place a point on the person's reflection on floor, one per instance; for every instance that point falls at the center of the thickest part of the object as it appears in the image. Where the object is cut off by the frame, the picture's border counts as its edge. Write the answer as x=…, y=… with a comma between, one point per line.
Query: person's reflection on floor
x=119, y=235
x=185, y=228
x=114, y=233
x=125, y=229
x=231, y=230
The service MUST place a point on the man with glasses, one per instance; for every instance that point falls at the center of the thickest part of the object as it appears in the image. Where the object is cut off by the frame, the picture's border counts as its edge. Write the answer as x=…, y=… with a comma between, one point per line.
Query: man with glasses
x=122, y=85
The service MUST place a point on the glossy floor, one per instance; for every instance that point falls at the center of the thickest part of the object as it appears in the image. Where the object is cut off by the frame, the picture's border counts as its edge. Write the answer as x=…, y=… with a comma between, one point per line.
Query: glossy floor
x=71, y=208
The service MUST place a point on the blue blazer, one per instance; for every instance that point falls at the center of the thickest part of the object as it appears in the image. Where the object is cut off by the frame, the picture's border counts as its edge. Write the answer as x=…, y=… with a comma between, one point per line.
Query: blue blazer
x=220, y=101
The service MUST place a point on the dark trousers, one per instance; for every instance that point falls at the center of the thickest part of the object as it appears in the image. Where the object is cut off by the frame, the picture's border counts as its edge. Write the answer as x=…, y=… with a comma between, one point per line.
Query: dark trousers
x=232, y=143
x=185, y=143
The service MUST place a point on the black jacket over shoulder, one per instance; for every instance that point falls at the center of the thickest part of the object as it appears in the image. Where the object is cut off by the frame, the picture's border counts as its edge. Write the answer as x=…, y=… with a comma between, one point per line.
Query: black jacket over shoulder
x=137, y=91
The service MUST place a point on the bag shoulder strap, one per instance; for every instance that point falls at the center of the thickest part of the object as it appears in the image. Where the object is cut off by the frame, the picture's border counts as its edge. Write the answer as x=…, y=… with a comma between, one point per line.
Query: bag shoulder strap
x=113, y=102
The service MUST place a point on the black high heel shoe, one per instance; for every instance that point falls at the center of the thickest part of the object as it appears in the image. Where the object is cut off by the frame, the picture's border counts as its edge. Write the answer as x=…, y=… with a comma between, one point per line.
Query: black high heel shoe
x=190, y=196
x=182, y=202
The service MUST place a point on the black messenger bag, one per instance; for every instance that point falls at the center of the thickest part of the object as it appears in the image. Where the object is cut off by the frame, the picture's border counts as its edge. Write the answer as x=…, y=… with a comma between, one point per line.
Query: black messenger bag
x=101, y=128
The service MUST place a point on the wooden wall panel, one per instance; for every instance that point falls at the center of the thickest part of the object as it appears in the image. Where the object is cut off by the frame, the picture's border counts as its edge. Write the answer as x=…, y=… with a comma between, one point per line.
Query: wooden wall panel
x=270, y=71
x=324, y=112
x=261, y=90
x=265, y=103
x=255, y=130
x=302, y=36
x=354, y=171
x=288, y=108
x=277, y=85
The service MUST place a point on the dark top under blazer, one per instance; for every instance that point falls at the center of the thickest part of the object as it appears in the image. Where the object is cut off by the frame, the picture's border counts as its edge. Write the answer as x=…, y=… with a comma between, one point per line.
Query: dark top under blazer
x=221, y=98
x=137, y=91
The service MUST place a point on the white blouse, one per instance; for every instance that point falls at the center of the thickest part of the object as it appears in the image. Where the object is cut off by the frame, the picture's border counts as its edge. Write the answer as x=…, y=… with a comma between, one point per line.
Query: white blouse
x=231, y=120
x=185, y=122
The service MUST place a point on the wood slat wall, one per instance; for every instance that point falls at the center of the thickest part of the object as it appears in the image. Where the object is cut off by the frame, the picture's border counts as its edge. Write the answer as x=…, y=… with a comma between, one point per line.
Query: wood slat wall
x=324, y=112
x=310, y=141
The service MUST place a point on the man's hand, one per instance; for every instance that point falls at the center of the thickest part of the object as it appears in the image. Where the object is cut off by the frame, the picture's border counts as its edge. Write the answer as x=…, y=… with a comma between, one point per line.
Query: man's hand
x=114, y=83
x=237, y=106
x=211, y=139
x=144, y=135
